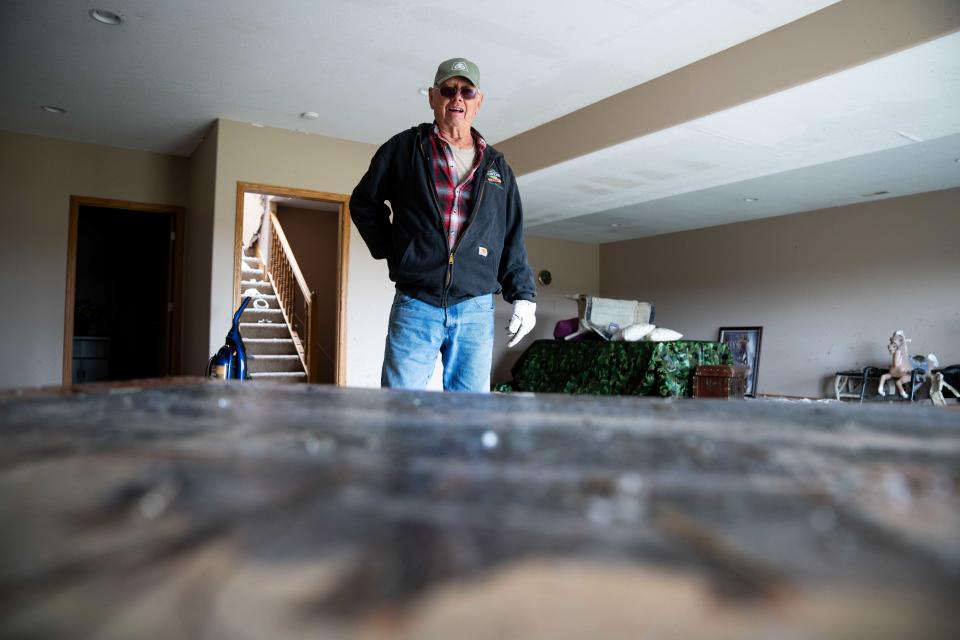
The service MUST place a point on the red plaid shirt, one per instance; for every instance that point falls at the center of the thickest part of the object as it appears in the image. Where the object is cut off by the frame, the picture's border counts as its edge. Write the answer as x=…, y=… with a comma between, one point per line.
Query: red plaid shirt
x=455, y=199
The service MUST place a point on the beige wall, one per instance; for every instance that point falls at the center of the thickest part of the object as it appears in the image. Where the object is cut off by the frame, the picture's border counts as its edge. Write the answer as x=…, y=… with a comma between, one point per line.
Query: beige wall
x=575, y=269
x=828, y=287
x=289, y=159
x=279, y=157
x=198, y=234
x=313, y=236
x=37, y=177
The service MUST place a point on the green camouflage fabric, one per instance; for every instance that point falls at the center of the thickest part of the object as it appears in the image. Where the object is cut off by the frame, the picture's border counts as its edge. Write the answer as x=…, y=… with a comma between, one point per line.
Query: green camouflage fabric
x=597, y=367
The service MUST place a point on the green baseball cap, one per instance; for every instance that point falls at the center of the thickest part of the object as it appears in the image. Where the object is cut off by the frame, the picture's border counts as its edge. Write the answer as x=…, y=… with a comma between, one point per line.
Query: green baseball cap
x=458, y=67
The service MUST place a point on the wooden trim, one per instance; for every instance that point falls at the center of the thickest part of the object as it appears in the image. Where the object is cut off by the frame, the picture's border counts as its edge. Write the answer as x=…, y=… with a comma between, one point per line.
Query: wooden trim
x=178, y=214
x=306, y=194
x=107, y=203
x=176, y=335
x=71, y=292
x=342, y=273
x=238, y=246
x=343, y=256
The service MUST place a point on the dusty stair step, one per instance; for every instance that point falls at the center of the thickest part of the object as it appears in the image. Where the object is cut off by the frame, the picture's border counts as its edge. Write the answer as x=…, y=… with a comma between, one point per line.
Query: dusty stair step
x=251, y=314
x=269, y=299
x=279, y=376
x=275, y=363
x=253, y=330
x=263, y=286
x=270, y=346
x=248, y=270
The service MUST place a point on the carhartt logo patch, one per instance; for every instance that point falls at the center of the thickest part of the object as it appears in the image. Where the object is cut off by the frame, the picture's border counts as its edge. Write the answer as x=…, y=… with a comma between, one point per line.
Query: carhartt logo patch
x=482, y=251
x=494, y=176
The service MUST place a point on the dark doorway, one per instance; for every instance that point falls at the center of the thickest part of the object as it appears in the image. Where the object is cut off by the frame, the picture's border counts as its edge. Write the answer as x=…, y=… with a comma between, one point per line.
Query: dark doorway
x=124, y=295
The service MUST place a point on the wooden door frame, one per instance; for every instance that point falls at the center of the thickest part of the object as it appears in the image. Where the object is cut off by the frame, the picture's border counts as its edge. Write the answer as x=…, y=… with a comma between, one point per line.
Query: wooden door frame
x=343, y=254
x=175, y=329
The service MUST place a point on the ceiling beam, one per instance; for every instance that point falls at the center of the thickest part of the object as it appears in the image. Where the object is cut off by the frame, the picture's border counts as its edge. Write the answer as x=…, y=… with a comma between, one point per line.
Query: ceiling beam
x=841, y=36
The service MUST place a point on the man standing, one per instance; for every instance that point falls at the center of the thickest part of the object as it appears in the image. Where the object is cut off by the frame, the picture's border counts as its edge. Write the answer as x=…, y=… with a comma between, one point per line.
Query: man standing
x=456, y=238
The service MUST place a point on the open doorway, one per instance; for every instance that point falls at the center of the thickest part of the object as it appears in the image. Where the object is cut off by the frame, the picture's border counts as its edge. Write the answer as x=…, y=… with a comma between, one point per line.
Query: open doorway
x=122, y=308
x=291, y=250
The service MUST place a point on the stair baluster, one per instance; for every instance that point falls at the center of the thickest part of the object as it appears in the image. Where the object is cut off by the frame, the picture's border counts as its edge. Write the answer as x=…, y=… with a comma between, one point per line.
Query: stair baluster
x=288, y=281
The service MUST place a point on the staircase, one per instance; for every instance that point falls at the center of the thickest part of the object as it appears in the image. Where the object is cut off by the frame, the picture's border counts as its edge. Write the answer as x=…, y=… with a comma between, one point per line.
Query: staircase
x=271, y=350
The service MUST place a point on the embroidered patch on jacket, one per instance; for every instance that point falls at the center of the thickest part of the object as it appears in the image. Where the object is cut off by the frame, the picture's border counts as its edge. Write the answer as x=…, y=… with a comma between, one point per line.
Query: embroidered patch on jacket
x=482, y=251
x=494, y=176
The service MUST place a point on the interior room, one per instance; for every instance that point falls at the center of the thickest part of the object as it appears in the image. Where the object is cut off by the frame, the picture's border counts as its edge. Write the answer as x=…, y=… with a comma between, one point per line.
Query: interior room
x=773, y=188
x=125, y=280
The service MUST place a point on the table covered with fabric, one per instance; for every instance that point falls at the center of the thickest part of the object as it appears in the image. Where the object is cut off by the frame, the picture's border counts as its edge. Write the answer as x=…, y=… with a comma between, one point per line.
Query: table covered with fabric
x=597, y=367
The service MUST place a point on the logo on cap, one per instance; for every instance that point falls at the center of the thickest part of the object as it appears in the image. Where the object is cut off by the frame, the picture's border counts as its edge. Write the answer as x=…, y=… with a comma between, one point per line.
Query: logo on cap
x=459, y=66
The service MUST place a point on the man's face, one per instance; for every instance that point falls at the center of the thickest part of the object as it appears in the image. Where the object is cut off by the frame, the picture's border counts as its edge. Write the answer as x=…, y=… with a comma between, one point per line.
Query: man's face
x=456, y=111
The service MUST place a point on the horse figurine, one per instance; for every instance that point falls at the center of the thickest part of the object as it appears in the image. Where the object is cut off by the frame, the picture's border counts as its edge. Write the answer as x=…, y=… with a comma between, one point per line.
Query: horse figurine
x=901, y=366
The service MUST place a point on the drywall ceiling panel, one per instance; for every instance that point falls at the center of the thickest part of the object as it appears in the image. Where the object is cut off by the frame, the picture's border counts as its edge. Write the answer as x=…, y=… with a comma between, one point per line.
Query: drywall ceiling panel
x=899, y=171
x=156, y=81
x=899, y=100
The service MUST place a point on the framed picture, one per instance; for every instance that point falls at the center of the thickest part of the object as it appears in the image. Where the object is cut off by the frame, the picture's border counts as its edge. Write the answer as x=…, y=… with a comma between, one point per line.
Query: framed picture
x=744, y=343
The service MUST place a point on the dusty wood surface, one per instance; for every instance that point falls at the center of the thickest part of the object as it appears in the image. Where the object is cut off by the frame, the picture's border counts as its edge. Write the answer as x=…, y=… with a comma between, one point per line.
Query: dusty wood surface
x=255, y=510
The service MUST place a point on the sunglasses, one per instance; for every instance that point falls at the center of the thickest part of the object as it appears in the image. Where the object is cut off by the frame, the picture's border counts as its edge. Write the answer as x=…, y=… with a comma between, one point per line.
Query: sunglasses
x=466, y=91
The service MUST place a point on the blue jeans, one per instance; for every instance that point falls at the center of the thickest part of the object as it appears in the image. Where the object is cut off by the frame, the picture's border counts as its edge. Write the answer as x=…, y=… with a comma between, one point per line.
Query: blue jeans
x=462, y=334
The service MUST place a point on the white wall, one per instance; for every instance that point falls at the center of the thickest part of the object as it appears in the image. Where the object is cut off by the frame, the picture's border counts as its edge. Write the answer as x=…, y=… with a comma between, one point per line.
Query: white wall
x=828, y=287
x=253, y=210
x=37, y=177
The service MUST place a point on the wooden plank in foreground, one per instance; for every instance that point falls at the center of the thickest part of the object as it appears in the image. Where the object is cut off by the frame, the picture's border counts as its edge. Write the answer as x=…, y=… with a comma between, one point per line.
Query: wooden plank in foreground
x=251, y=510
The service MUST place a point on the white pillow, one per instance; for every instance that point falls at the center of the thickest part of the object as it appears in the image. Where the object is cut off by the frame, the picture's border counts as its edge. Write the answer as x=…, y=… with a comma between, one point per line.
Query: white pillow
x=636, y=331
x=661, y=334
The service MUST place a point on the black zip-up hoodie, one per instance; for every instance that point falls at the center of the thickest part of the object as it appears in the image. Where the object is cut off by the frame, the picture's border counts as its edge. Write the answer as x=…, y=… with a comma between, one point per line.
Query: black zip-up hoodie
x=489, y=256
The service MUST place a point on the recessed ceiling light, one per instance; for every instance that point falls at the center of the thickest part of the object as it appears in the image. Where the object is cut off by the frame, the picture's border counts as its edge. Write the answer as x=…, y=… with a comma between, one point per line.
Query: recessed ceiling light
x=49, y=108
x=424, y=91
x=257, y=124
x=614, y=224
x=105, y=16
x=750, y=199
x=309, y=115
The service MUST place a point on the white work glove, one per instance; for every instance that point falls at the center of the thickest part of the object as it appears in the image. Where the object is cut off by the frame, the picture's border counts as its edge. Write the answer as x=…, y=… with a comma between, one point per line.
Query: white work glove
x=522, y=321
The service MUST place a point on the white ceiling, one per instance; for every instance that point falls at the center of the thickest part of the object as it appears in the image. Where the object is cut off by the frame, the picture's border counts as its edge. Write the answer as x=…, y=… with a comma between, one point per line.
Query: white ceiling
x=890, y=125
x=157, y=81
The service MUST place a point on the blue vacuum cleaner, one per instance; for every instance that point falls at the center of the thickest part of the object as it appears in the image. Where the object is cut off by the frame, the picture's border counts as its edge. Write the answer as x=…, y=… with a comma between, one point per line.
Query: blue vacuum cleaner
x=230, y=361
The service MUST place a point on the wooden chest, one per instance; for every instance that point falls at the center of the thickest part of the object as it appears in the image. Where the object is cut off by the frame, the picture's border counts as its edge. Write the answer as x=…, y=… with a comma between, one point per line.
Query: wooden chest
x=719, y=381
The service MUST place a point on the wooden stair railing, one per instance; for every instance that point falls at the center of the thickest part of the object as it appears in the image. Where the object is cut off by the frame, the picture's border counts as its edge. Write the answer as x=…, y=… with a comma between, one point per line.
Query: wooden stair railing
x=293, y=295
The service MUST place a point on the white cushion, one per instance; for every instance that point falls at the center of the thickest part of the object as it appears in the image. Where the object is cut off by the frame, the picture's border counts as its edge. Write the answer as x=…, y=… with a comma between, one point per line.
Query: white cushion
x=636, y=331
x=660, y=334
